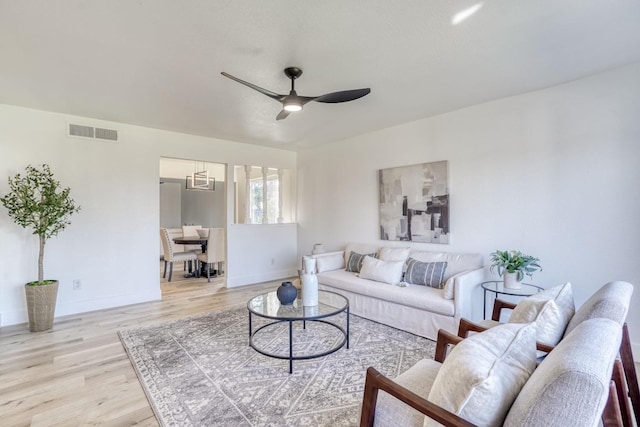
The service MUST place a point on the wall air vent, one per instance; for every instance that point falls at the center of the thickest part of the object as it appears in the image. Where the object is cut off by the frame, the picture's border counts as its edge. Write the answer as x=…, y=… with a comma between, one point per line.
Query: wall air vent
x=82, y=131
x=108, y=134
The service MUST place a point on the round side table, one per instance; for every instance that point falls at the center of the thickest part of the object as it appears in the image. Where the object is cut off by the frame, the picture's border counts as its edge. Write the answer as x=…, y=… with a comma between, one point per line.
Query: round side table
x=497, y=288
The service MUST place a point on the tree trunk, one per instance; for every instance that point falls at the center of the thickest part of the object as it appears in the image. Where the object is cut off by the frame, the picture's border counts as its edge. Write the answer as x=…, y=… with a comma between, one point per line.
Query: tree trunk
x=40, y=260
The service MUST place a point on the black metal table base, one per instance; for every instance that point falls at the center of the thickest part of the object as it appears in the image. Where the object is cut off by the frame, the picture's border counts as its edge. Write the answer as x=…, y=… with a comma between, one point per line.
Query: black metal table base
x=290, y=357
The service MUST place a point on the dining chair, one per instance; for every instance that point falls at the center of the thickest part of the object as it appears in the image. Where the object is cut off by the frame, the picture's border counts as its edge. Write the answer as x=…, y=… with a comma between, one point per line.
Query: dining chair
x=215, y=250
x=192, y=231
x=171, y=256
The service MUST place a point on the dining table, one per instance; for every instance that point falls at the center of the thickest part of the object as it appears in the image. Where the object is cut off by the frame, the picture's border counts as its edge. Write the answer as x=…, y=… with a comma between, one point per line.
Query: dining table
x=192, y=240
x=196, y=240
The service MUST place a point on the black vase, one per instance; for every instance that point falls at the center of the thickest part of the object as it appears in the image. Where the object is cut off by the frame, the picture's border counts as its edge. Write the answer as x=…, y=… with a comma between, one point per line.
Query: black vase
x=287, y=293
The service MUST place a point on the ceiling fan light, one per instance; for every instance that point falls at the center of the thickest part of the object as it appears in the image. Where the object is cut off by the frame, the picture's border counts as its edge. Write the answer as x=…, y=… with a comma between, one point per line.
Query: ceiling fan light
x=292, y=106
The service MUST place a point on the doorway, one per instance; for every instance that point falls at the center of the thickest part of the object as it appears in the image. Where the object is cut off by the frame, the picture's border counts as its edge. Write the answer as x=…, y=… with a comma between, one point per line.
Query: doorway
x=191, y=193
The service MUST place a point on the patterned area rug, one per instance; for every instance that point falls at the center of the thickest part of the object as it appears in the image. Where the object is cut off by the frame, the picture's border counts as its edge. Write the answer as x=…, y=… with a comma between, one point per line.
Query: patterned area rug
x=201, y=371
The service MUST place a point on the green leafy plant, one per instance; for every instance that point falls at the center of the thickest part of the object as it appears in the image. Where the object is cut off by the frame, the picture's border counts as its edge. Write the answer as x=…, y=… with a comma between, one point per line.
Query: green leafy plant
x=514, y=262
x=37, y=201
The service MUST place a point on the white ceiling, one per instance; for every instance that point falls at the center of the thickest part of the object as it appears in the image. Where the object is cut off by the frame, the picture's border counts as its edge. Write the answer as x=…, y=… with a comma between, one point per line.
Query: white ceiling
x=157, y=63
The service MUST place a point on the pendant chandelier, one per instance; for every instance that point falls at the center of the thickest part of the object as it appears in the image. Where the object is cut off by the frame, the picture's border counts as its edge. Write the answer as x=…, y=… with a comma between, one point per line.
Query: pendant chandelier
x=200, y=180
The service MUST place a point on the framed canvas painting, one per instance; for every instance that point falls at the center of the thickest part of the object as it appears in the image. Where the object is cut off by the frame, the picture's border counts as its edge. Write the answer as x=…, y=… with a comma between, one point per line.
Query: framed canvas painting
x=414, y=203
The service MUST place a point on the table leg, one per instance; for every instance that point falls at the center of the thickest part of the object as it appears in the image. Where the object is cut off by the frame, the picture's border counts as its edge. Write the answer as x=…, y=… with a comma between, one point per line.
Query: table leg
x=290, y=346
x=484, y=307
x=249, y=325
x=347, y=328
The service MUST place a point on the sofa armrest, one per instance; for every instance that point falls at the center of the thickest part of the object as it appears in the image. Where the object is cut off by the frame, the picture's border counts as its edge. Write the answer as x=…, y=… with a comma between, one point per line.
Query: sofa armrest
x=467, y=326
x=466, y=293
x=328, y=254
x=328, y=261
x=445, y=338
x=498, y=305
x=376, y=381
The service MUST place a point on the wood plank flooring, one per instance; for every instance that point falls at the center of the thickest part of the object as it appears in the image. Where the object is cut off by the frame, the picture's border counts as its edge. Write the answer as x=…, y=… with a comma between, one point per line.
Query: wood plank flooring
x=78, y=374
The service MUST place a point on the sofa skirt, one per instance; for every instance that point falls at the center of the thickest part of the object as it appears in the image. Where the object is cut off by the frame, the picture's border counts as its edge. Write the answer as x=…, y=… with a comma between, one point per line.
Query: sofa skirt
x=410, y=319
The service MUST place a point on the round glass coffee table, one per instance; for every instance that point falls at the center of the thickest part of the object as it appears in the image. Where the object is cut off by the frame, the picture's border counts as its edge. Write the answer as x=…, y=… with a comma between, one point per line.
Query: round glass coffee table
x=268, y=306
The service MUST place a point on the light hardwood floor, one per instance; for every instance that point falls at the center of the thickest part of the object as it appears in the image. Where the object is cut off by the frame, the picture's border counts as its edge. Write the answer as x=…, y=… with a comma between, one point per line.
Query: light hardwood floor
x=78, y=374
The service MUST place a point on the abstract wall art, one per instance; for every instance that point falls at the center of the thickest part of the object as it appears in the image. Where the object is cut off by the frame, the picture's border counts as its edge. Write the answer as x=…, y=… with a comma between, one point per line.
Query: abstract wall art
x=414, y=203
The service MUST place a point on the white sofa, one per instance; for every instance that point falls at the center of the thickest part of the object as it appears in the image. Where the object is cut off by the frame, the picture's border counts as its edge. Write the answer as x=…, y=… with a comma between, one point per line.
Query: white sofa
x=418, y=309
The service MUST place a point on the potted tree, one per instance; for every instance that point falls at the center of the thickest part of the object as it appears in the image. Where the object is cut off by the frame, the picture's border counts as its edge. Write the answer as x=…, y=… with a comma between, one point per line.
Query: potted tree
x=514, y=265
x=37, y=201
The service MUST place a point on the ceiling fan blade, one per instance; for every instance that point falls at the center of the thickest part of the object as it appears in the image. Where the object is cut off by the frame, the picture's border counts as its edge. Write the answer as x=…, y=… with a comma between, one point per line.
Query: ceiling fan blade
x=282, y=115
x=270, y=94
x=343, y=96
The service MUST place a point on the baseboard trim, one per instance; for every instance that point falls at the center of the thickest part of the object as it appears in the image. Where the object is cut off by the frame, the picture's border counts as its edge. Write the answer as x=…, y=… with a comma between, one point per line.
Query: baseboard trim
x=253, y=279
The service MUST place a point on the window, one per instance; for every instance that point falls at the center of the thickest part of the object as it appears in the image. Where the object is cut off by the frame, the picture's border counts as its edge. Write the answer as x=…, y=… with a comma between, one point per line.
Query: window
x=254, y=205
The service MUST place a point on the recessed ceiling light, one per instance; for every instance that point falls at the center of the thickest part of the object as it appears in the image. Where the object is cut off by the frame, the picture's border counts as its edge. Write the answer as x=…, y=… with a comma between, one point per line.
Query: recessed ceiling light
x=464, y=14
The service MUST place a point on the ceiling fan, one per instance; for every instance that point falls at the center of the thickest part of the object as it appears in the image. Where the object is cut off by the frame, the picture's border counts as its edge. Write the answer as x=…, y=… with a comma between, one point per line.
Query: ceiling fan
x=294, y=102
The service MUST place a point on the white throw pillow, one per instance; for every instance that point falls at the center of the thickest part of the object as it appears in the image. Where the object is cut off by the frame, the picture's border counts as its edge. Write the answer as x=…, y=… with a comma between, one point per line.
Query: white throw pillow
x=381, y=271
x=484, y=374
x=551, y=309
x=394, y=254
x=329, y=261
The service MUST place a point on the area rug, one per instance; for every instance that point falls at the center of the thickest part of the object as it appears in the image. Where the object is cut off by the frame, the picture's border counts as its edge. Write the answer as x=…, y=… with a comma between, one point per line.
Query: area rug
x=201, y=371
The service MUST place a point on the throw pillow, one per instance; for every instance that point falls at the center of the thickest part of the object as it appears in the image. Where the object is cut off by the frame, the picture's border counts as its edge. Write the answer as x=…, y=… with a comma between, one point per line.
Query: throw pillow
x=355, y=261
x=394, y=254
x=551, y=309
x=381, y=271
x=329, y=261
x=484, y=374
x=425, y=273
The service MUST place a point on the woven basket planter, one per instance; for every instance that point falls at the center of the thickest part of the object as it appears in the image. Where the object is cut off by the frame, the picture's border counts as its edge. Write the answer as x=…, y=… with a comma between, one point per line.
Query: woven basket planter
x=41, y=305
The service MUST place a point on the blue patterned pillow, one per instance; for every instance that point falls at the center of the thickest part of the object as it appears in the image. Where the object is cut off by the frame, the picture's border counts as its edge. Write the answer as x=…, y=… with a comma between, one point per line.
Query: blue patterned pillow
x=425, y=273
x=354, y=264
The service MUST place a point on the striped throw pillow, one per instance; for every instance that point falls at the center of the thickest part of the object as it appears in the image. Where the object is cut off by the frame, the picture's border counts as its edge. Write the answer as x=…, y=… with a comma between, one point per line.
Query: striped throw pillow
x=354, y=264
x=425, y=273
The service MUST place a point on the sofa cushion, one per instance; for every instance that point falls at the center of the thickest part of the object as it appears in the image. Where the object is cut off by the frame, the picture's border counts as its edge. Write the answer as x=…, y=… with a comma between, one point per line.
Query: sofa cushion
x=381, y=271
x=484, y=374
x=329, y=261
x=551, y=309
x=394, y=254
x=571, y=385
x=611, y=301
x=354, y=263
x=392, y=412
x=420, y=297
x=425, y=273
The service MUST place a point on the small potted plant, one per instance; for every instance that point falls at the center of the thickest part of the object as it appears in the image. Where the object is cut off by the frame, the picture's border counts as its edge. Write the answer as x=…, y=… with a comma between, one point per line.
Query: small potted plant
x=514, y=265
x=37, y=201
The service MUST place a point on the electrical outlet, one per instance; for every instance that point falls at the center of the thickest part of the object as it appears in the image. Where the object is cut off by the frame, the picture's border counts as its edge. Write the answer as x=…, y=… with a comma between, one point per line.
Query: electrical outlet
x=77, y=285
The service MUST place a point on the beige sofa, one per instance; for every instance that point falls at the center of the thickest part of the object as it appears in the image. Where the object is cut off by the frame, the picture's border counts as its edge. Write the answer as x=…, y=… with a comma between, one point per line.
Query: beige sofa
x=418, y=309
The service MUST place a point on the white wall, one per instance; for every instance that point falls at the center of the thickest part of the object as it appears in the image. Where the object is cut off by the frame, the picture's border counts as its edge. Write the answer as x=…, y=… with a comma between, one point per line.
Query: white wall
x=554, y=173
x=112, y=244
x=270, y=252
